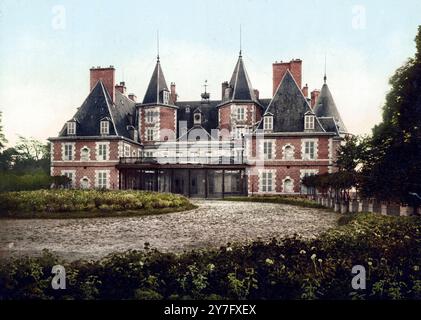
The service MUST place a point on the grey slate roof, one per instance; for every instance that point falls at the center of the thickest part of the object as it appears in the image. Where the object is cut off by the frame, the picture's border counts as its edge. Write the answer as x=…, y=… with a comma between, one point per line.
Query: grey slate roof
x=156, y=86
x=325, y=107
x=97, y=106
x=209, y=114
x=288, y=107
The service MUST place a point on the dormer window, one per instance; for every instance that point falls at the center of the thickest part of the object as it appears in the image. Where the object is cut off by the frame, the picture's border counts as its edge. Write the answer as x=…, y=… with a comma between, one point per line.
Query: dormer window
x=197, y=118
x=71, y=128
x=166, y=97
x=268, y=123
x=309, y=122
x=105, y=127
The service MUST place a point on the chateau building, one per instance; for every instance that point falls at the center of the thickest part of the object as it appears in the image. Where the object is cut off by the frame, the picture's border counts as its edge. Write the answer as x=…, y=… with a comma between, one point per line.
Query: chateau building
x=238, y=145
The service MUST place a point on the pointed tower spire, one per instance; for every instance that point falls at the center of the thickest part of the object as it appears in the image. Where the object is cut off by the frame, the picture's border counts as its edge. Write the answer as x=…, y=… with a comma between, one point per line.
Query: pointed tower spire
x=325, y=78
x=241, y=88
x=157, y=84
x=157, y=46
x=240, y=43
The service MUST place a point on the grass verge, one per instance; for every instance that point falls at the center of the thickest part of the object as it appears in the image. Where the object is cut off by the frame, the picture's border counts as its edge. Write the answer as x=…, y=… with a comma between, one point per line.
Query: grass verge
x=290, y=200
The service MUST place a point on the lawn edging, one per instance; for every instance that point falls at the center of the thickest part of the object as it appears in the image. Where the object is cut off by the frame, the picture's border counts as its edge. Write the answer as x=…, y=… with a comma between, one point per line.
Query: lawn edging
x=289, y=200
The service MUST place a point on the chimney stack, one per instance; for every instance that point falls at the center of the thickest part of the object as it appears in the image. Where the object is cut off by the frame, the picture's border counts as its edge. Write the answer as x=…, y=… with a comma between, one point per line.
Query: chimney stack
x=256, y=93
x=132, y=97
x=107, y=75
x=121, y=87
x=314, y=95
x=173, y=93
x=280, y=68
x=224, y=89
x=305, y=91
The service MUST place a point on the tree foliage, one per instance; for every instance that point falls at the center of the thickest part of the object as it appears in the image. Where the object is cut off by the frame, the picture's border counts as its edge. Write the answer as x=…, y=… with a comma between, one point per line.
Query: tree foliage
x=3, y=140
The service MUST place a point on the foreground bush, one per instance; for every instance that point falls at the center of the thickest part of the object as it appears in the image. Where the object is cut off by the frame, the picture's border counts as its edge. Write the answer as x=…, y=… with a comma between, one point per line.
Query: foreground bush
x=292, y=200
x=51, y=201
x=389, y=248
x=33, y=181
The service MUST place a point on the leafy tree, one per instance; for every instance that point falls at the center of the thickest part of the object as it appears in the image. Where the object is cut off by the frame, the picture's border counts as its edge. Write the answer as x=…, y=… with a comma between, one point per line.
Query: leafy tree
x=392, y=167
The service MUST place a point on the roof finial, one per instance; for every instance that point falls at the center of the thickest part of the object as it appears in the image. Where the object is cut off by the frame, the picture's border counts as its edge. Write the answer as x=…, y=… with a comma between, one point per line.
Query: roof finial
x=157, y=45
x=240, y=43
x=325, y=78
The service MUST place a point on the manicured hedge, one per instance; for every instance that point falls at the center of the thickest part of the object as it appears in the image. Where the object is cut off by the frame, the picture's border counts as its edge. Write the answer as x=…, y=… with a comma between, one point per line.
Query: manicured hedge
x=53, y=201
x=291, y=200
x=33, y=181
x=388, y=247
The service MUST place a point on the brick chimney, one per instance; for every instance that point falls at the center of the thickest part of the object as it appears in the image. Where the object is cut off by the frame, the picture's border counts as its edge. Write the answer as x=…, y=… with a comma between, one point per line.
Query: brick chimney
x=256, y=93
x=305, y=91
x=224, y=87
x=173, y=95
x=280, y=68
x=107, y=75
x=314, y=95
x=132, y=97
x=121, y=87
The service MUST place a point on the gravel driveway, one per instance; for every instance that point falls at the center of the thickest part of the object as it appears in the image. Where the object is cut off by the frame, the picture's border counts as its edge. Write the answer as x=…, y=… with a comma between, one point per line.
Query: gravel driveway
x=213, y=224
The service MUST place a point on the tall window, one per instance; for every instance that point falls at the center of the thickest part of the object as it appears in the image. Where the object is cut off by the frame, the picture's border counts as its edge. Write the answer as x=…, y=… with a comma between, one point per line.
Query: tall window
x=150, y=134
x=239, y=132
x=84, y=154
x=105, y=127
x=166, y=96
x=267, y=150
x=71, y=127
x=68, y=152
x=102, y=182
x=309, y=150
x=268, y=123
x=267, y=181
x=149, y=116
x=71, y=176
x=240, y=113
x=309, y=122
x=102, y=151
x=126, y=150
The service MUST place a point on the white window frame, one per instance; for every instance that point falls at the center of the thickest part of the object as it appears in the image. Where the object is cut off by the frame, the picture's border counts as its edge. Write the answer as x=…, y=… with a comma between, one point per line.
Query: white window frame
x=102, y=179
x=267, y=181
x=102, y=147
x=166, y=97
x=68, y=151
x=240, y=113
x=268, y=123
x=284, y=152
x=306, y=149
x=126, y=150
x=309, y=122
x=284, y=187
x=88, y=158
x=268, y=152
x=149, y=116
x=71, y=128
x=150, y=134
x=104, y=127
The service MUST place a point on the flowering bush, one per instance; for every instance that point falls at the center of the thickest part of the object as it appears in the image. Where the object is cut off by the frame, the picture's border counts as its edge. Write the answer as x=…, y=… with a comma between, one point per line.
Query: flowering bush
x=388, y=247
x=50, y=201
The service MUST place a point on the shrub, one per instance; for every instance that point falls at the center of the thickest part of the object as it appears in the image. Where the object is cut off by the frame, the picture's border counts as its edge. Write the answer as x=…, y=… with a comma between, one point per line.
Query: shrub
x=291, y=268
x=49, y=201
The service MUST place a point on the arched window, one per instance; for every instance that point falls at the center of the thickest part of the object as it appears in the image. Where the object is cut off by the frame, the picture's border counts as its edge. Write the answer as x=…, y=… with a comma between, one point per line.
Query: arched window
x=288, y=152
x=84, y=154
x=288, y=185
x=84, y=183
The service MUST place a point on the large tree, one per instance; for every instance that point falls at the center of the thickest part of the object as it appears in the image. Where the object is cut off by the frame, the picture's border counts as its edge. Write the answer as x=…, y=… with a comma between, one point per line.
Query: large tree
x=392, y=167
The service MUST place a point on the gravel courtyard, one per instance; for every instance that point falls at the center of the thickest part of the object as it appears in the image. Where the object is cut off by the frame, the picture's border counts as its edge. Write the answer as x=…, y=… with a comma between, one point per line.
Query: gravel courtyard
x=213, y=224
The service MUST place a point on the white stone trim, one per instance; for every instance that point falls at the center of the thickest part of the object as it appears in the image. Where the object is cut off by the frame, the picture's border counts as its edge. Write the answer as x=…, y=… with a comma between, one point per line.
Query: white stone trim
x=97, y=144
x=108, y=175
x=89, y=153
x=330, y=156
x=260, y=172
x=73, y=144
x=316, y=148
x=283, y=185
x=284, y=154
x=83, y=178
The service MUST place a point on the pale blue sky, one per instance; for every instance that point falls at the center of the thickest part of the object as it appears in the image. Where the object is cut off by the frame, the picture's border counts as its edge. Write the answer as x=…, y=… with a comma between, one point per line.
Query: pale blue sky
x=44, y=69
